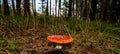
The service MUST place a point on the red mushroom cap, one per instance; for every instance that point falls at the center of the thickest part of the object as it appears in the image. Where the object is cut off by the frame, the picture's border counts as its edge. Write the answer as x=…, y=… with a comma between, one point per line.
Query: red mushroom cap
x=60, y=39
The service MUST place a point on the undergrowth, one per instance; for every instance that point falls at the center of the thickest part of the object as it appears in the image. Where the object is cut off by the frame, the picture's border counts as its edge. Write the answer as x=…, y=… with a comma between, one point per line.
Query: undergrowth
x=104, y=36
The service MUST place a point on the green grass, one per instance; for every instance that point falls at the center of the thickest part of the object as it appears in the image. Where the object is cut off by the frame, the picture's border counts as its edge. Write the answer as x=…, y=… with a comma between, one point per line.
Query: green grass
x=103, y=35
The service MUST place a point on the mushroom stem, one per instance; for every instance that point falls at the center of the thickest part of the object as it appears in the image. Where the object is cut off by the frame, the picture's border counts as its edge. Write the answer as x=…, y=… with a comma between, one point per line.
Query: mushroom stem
x=58, y=46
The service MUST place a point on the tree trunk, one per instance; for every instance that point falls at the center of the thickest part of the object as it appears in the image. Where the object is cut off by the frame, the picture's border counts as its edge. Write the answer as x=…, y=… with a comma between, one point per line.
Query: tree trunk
x=85, y=8
x=18, y=8
x=42, y=6
x=115, y=11
x=55, y=8
x=73, y=8
x=118, y=12
x=13, y=6
x=104, y=18
x=0, y=6
x=65, y=11
x=47, y=13
x=27, y=7
x=35, y=7
x=6, y=7
x=93, y=10
x=59, y=9
x=70, y=9
x=78, y=9
x=50, y=7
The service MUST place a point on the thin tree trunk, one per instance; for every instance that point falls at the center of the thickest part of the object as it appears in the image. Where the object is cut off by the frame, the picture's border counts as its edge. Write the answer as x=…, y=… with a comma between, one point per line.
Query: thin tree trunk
x=47, y=9
x=65, y=10
x=79, y=7
x=26, y=7
x=59, y=9
x=18, y=3
x=0, y=6
x=73, y=8
x=35, y=7
x=115, y=11
x=34, y=2
x=85, y=9
x=42, y=5
x=55, y=8
x=70, y=9
x=93, y=10
x=76, y=8
x=13, y=6
x=104, y=11
x=50, y=7
x=118, y=12
x=82, y=7
x=6, y=7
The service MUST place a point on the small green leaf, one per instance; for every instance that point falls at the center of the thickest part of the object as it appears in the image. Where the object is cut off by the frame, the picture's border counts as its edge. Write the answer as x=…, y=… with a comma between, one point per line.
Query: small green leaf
x=13, y=47
x=1, y=41
x=116, y=50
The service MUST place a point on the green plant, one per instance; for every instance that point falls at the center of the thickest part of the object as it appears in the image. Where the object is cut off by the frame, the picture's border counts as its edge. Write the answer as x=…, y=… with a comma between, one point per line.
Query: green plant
x=116, y=50
x=66, y=29
x=19, y=41
x=1, y=41
x=12, y=45
x=108, y=28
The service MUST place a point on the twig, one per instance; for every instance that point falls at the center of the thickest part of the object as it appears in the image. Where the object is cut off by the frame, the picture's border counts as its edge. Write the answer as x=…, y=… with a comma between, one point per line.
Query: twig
x=8, y=52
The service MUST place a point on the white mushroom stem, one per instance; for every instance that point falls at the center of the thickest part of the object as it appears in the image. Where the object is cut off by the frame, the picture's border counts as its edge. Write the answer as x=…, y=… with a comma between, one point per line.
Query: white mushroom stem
x=58, y=46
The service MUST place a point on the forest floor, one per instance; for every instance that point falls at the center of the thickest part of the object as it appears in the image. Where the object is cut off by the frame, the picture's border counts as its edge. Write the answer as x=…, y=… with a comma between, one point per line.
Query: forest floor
x=26, y=35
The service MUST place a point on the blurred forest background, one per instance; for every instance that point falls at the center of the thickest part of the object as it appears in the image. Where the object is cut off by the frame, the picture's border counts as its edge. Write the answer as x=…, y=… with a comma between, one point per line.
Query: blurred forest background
x=94, y=24
x=90, y=9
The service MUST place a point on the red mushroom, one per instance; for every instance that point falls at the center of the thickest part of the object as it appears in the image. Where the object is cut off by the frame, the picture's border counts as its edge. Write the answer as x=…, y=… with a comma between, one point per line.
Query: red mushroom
x=59, y=39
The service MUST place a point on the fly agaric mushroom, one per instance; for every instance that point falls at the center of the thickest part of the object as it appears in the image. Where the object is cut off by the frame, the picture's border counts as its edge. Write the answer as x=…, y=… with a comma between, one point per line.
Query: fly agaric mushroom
x=59, y=39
